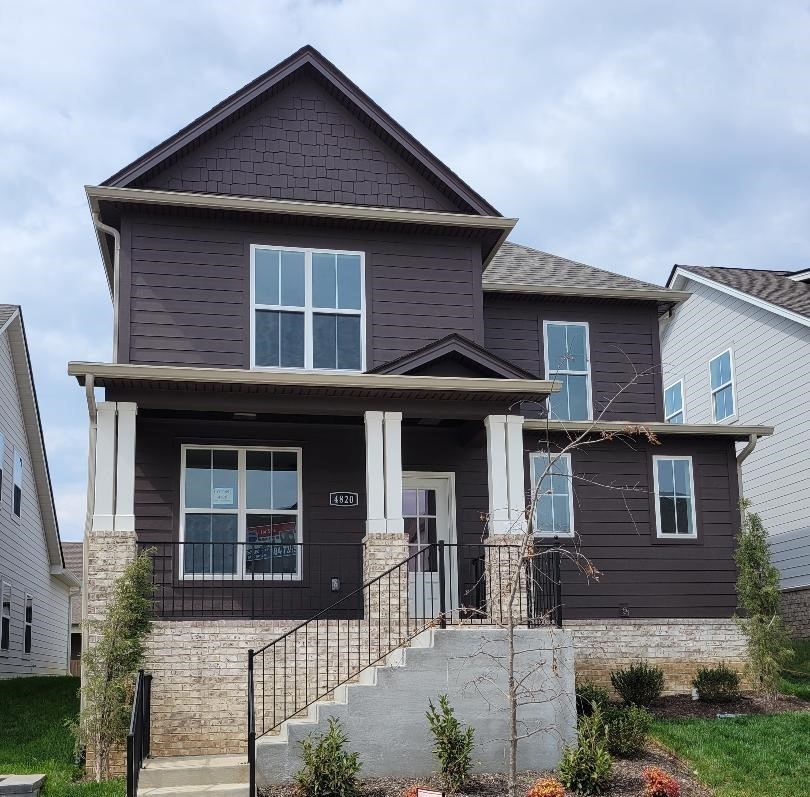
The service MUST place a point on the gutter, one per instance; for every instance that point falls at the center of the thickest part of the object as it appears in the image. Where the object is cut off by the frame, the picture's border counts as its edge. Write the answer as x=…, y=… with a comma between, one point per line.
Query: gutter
x=741, y=457
x=116, y=236
x=92, y=413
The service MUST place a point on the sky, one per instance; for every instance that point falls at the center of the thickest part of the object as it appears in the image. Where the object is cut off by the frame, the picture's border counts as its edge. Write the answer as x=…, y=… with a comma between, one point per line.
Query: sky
x=627, y=135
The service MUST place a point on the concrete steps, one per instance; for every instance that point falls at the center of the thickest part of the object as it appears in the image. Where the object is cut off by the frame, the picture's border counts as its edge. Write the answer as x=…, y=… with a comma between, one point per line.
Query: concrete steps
x=187, y=776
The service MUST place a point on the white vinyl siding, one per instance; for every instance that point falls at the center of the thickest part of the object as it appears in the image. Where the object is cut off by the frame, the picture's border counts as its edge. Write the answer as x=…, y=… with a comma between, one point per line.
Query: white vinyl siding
x=554, y=502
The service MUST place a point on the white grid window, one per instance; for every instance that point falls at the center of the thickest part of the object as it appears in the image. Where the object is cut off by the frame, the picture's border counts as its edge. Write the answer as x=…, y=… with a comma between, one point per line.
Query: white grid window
x=29, y=624
x=241, y=512
x=5, y=615
x=567, y=357
x=308, y=309
x=674, y=497
x=721, y=376
x=554, y=506
x=673, y=403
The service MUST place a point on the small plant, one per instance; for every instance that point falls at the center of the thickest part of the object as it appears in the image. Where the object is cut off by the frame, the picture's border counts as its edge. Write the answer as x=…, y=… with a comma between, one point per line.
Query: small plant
x=328, y=770
x=412, y=791
x=658, y=783
x=639, y=684
x=453, y=744
x=588, y=695
x=546, y=787
x=586, y=768
x=717, y=684
x=627, y=728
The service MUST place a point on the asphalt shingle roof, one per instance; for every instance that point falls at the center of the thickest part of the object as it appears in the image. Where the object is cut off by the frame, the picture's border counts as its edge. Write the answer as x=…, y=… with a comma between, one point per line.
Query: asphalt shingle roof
x=770, y=286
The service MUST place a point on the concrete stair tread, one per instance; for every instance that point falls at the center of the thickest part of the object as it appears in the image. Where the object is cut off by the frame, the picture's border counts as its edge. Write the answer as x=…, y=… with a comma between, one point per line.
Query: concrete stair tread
x=192, y=761
x=217, y=789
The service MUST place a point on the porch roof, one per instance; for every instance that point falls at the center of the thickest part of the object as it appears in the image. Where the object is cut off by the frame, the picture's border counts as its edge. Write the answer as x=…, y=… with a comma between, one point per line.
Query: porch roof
x=738, y=432
x=304, y=384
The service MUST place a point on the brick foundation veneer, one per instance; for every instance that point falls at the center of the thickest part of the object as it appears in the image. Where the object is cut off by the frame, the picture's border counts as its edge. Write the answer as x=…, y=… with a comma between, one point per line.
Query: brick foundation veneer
x=795, y=606
x=679, y=647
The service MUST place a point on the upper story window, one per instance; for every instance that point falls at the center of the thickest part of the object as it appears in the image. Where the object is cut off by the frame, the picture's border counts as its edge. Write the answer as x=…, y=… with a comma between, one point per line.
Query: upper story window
x=721, y=374
x=17, y=479
x=554, y=506
x=673, y=403
x=308, y=309
x=674, y=497
x=568, y=361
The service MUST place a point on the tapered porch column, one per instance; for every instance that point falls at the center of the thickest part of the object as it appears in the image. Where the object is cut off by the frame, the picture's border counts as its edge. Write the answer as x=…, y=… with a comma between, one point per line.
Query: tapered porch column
x=125, y=467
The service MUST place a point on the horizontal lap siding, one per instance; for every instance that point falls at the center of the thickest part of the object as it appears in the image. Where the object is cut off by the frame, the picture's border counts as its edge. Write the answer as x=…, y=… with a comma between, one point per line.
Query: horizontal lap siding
x=625, y=373
x=185, y=292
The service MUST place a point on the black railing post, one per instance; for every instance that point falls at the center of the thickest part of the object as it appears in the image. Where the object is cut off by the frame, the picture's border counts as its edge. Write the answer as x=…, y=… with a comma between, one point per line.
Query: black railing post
x=251, y=717
x=442, y=597
x=147, y=710
x=558, y=619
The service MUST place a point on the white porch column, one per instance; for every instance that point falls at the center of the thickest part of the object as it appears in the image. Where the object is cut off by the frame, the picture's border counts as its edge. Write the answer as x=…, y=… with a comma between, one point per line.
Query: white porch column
x=375, y=473
x=104, y=507
x=392, y=428
x=516, y=485
x=497, y=474
x=125, y=467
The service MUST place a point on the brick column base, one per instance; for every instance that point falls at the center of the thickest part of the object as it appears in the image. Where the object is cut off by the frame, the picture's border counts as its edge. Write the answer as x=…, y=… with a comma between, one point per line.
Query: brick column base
x=502, y=564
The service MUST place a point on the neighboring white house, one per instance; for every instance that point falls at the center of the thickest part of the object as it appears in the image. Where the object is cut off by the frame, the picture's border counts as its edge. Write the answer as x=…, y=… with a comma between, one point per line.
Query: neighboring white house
x=34, y=584
x=738, y=350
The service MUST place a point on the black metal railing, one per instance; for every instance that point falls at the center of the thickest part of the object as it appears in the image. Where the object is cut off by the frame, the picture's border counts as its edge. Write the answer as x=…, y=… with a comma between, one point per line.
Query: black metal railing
x=139, y=731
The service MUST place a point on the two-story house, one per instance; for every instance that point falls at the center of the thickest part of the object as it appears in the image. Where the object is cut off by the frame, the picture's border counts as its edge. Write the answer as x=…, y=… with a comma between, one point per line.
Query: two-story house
x=334, y=388
x=35, y=587
x=738, y=352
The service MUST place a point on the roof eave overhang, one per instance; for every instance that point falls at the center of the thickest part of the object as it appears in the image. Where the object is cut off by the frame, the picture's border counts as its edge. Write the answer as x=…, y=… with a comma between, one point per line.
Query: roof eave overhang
x=631, y=428
x=64, y=576
x=662, y=295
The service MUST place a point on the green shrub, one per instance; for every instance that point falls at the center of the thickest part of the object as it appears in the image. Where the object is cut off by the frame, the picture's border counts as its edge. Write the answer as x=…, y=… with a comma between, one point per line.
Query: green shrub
x=639, y=684
x=717, y=684
x=590, y=695
x=453, y=744
x=328, y=770
x=586, y=768
x=627, y=728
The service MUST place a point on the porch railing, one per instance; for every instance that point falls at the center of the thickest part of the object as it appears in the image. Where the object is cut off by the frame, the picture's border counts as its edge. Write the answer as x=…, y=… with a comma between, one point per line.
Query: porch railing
x=138, y=737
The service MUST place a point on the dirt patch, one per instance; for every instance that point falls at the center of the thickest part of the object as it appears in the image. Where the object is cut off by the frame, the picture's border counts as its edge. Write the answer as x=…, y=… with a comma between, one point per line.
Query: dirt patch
x=627, y=781
x=683, y=707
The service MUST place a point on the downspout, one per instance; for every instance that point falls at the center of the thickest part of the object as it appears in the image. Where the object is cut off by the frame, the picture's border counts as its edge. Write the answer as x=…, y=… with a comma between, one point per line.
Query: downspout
x=741, y=457
x=116, y=235
x=92, y=412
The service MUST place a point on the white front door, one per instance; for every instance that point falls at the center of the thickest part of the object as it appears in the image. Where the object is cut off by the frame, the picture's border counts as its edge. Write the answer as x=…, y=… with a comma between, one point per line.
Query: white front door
x=427, y=508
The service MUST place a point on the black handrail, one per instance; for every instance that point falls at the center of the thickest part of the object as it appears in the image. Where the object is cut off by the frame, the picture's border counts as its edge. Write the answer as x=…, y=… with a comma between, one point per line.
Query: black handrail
x=138, y=737
x=251, y=738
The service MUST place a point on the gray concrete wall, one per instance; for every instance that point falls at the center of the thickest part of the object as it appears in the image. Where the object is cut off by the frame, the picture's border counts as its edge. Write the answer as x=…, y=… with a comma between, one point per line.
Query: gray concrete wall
x=385, y=719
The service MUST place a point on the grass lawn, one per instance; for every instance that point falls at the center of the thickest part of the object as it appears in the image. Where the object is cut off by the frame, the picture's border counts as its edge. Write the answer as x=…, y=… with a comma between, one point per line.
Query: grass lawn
x=796, y=677
x=746, y=757
x=33, y=736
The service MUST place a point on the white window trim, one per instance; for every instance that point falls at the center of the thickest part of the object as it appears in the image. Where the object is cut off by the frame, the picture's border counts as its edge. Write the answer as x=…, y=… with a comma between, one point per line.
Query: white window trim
x=674, y=536
x=241, y=513
x=552, y=457
x=682, y=411
x=733, y=417
x=307, y=310
x=3, y=586
x=15, y=455
x=549, y=372
x=28, y=624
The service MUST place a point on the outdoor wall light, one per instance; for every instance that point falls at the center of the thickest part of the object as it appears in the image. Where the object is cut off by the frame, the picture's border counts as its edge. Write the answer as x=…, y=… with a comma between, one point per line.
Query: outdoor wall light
x=335, y=585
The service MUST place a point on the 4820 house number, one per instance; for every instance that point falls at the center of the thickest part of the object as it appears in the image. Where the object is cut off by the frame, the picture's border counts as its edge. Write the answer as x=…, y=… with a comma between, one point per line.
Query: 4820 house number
x=343, y=499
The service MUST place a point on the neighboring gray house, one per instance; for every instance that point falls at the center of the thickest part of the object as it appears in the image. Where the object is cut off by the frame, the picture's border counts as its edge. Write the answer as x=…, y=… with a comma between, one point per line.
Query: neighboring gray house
x=34, y=584
x=738, y=351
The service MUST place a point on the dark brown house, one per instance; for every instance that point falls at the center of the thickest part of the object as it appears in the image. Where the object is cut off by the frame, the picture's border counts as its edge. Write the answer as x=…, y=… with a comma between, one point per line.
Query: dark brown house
x=335, y=379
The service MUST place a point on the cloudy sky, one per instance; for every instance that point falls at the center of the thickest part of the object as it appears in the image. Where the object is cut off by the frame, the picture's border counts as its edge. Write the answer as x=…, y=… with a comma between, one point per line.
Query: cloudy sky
x=628, y=135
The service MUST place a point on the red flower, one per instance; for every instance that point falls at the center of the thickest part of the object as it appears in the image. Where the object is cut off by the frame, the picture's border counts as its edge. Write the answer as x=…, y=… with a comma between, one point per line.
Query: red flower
x=546, y=787
x=660, y=783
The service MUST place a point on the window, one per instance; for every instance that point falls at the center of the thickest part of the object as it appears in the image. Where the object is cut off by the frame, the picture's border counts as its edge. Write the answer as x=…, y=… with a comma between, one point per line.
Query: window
x=568, y=361
x=721, y=373
x=5, y=615
x=29, y=623
x=2, y=462
x=308, y=309
x=16, y=498
x=674, y=497
x=241, y=513
x=673, y=403
x=554, y=508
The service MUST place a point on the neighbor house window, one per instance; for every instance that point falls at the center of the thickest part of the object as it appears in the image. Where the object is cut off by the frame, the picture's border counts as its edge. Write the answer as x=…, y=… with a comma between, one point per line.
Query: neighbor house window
x=568, y=361
x=554, y=504
x=5, y=615
x=674, y=497
x=29, y=623
x=16, y=498
x=241, y=512
x=308, y=309
x=673, y=403
x=721, y=373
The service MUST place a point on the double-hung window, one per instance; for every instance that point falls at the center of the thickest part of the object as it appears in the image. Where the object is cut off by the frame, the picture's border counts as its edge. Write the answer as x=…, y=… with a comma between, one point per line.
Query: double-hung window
x=554, y=495
x=674, y=497
x=29, y=624
x=241, y=515
x=568, y=361
x=5, y=615
x=673, y=403
x=721, y=375
x=17, y=479
x=308, y=309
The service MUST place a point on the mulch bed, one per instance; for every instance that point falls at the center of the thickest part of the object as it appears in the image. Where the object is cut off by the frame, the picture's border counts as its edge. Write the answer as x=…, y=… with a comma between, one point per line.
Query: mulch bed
x=627, y=781
x=683, y=707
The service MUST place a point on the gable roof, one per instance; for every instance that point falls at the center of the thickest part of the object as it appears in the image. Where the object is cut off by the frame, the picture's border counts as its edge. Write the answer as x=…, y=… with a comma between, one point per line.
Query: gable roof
x=308, y=61
x=774, y=290
x=521, y=269
x=11, y=322
x=460, y=349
